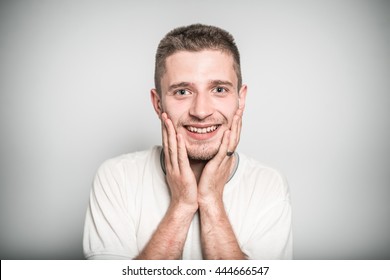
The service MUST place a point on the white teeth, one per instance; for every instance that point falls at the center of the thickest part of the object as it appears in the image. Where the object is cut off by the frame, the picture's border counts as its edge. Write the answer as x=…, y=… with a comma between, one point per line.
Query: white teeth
x=202, y=130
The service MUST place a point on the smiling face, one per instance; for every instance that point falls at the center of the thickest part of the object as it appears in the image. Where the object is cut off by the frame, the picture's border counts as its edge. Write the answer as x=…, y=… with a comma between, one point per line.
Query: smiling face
x=199, y=94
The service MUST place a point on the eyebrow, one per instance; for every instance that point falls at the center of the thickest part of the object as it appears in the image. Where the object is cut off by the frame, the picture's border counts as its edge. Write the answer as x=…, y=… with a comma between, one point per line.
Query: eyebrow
x=178, y=85
x=220, y=83
x=188, y=84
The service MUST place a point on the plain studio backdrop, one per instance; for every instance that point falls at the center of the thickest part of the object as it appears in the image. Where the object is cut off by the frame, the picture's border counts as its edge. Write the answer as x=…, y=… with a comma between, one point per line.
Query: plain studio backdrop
x=75, y=78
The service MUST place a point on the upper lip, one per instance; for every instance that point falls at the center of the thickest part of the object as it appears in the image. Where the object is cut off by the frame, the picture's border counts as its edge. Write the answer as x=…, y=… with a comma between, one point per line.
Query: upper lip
x=202, y=125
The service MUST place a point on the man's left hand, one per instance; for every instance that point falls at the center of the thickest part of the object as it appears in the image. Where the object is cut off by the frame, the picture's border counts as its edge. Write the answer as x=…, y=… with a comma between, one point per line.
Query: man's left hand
x=217, y=171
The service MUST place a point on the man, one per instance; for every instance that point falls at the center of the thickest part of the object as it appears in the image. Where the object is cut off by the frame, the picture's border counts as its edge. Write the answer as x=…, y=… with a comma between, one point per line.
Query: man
x=195, y=197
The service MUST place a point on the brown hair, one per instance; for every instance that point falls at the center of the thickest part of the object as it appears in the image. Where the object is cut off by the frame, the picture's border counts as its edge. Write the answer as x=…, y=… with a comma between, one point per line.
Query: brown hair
x=195, y=37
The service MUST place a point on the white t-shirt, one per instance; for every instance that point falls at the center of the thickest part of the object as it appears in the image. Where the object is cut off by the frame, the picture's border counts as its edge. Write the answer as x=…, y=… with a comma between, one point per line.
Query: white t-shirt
x=130, y=197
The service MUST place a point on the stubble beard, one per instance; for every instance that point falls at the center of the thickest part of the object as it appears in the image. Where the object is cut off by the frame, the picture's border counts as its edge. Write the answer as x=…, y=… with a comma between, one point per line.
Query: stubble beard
x=202, y=152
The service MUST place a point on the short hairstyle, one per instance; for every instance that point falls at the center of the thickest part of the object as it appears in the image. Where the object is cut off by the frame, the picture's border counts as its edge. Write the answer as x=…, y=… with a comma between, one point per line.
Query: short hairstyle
x=195, y=37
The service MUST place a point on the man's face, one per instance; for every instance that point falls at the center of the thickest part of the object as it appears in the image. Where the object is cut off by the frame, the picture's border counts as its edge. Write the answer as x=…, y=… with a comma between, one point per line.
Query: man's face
x=199, y=94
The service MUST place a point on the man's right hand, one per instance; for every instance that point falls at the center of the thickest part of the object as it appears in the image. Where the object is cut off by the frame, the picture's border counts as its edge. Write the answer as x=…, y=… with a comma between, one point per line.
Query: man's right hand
x=169, y=238
x=179, y=175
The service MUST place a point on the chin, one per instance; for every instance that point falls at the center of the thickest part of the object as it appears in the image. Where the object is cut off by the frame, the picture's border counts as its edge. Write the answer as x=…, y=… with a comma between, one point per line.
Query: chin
x=203, y=152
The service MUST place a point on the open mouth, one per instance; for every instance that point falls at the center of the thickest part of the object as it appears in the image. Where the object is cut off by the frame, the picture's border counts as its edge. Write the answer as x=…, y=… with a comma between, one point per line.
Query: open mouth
x=202, y=130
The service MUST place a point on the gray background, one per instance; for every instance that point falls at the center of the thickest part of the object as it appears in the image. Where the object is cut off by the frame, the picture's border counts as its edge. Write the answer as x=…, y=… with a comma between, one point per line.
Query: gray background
x=75, y=79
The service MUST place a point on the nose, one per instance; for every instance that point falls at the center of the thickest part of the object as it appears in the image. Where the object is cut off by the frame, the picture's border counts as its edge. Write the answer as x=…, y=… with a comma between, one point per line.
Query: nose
x=202, y=106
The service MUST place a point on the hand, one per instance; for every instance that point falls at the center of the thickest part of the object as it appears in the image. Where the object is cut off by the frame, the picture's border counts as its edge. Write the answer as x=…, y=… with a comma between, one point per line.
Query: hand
x=217, y=235
x=217, y=171
x=180, y=178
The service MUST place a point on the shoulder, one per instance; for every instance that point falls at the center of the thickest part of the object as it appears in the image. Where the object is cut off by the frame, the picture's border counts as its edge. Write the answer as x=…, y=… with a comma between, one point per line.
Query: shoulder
x=127, y=169
x=130, y=161
x=120, y=178
x=262, y=177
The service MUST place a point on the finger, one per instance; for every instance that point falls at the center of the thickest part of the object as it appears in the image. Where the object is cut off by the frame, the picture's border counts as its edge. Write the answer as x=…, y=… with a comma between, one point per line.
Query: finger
x=236, y=129
x=223, y=148
x=172, y=144
x=240, y=111
x=233, y=140
x=183, y=161
x=238, y=132
x=167, y=158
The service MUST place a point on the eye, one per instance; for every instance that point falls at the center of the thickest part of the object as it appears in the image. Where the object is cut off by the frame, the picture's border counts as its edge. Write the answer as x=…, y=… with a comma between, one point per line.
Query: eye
x=220, y=90
x=182, y=92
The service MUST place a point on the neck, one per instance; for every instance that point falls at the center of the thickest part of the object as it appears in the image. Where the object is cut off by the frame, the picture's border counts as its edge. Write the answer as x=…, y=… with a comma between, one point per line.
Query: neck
x=197, y=167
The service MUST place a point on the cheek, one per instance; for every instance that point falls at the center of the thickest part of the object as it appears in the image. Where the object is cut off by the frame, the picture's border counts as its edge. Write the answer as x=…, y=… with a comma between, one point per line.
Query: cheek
x=228, y=109
x=175, y=113
x=176, y=108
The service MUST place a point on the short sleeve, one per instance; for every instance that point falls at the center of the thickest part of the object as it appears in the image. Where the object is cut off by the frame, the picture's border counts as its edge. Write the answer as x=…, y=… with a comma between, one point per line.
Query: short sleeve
x=272, y=238
x=270, y=234
x=109, y=231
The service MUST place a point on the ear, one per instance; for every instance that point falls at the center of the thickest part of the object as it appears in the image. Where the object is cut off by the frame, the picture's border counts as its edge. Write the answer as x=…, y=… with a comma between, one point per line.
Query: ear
x=242, y=96
x=156, y=101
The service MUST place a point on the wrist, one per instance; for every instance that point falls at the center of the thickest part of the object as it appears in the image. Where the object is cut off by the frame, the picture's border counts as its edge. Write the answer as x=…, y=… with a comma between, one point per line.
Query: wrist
x=210, y=201
x=181, y=209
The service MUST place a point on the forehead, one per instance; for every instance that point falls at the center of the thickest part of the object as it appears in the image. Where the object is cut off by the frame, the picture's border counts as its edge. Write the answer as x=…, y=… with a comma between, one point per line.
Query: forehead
x=198, y=67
